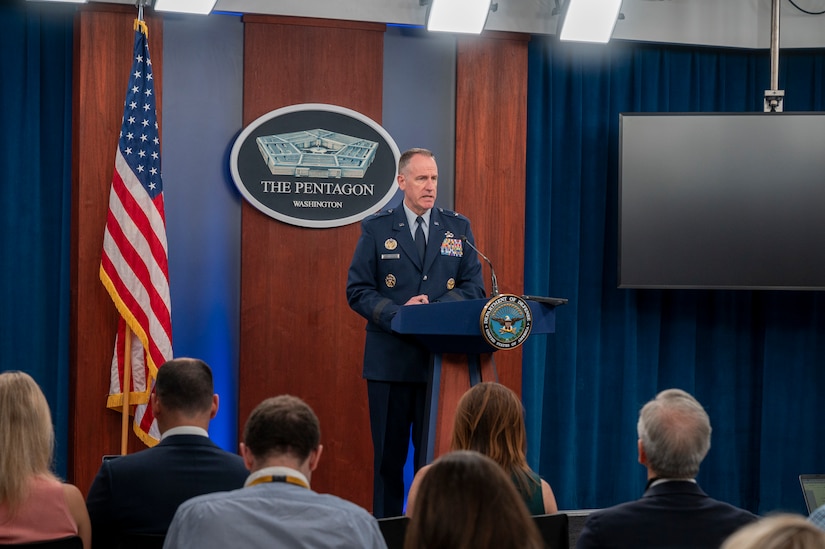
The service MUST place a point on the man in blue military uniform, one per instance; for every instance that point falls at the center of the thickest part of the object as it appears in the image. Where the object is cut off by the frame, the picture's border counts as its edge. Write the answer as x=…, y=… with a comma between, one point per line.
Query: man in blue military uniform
x=411, y=255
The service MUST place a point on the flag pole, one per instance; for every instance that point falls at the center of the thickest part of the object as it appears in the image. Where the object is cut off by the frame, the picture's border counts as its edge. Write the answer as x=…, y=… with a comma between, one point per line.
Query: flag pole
x=127, y=351
x=126, y=388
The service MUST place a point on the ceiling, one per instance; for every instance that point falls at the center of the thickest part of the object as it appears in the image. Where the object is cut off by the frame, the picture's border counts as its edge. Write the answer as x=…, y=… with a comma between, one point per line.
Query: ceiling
x=729, y=23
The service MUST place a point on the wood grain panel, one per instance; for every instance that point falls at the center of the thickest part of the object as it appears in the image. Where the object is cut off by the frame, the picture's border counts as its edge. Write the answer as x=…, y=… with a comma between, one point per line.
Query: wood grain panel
x=455, y=381
x=491, y=140
x=103, y=40
x=298, y=335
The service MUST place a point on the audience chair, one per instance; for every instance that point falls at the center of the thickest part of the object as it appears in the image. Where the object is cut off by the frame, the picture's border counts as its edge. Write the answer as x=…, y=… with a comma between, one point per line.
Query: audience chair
x=394, y=529
x=73, y=542
x=575, y=522
x=142, y=541
x=554, y=530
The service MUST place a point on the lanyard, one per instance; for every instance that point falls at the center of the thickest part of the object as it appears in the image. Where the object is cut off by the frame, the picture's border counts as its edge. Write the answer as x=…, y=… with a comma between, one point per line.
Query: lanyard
x=280, y=478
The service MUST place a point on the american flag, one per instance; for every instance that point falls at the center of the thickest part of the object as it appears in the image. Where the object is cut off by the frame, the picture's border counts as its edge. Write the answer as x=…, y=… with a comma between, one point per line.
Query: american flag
x=134, y=267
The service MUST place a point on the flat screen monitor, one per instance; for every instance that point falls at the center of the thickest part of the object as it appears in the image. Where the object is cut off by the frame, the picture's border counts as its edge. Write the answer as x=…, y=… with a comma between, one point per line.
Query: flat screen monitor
x=722, y=201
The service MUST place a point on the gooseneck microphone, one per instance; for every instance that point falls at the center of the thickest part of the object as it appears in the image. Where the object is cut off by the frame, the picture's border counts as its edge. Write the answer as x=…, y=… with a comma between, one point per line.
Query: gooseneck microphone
x=494, y=287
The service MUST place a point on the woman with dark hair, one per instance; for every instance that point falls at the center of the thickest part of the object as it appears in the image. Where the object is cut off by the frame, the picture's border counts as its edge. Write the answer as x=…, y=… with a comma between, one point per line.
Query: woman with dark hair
x=34, y=504
x=490, y=420
x=466, y=501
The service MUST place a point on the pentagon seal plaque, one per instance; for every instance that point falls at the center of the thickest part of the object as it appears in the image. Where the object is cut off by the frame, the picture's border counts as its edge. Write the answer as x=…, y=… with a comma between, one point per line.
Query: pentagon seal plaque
x=506, y=321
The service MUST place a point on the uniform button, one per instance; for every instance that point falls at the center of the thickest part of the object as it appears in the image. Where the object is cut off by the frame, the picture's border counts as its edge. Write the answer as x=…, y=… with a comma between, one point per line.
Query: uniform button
x=425, y=277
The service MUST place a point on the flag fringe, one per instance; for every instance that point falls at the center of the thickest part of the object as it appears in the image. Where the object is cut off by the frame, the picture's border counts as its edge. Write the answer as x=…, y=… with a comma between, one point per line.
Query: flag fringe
x=141, y=26
x=136, y=398
x=145, y=437
x=130, y=320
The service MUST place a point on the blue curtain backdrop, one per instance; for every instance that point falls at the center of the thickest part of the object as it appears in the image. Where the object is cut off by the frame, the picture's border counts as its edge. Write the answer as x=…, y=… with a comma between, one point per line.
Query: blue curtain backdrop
x=35, y=185
x=755, y=359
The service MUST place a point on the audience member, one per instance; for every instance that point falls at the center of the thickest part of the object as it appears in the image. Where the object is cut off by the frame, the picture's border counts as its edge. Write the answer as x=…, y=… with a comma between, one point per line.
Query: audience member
x=490, y=419
x=276, y=508
x=782, y=531
x=674, y=437
x=139, y=493
x=466, y=501
x=34, y=504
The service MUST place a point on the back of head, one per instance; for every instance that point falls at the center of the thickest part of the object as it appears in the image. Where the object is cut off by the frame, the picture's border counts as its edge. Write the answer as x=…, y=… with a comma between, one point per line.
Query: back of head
x=282, y=425
x=675, y=433
x=782, y=531
x=466, y=501
x=185, y=386
x=490, y=419
x=26, y=435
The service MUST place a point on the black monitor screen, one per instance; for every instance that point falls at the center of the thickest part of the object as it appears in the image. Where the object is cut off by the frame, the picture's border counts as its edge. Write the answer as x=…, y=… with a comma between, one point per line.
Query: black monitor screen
x=722, y=201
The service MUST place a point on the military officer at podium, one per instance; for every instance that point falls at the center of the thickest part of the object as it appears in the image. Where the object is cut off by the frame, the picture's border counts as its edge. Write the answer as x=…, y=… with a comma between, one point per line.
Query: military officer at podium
x=410, y=255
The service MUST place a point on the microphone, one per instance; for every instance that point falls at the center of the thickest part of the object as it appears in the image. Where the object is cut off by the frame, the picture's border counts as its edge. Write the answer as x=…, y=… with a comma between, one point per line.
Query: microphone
x=494, y=287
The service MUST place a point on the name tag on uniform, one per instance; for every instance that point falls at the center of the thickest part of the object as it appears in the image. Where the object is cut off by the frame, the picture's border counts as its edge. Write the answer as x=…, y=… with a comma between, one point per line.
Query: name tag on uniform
x=390, y=256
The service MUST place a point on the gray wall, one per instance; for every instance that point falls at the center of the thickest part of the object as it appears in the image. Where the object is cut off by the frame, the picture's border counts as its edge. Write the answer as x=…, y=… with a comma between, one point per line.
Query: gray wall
x=202, y=102
x=419, y=98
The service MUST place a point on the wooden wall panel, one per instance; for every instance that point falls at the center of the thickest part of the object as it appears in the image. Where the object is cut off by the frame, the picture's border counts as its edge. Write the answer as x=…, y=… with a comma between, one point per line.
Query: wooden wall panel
x=491, y=144
x=298, y=335
x=103, y=41
x=454, y=383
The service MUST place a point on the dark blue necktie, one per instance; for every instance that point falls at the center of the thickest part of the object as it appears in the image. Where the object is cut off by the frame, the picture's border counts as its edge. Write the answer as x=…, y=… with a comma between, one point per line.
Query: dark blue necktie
x=420, y=239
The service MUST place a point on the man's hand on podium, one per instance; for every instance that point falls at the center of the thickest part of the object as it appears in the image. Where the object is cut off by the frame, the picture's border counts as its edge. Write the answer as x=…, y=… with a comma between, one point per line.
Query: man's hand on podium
x=418, y=300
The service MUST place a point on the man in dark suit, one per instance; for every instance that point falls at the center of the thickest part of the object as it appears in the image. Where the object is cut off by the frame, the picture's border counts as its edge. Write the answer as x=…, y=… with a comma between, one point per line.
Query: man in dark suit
x=139, y=493
x=674, y=437
x=410, y=255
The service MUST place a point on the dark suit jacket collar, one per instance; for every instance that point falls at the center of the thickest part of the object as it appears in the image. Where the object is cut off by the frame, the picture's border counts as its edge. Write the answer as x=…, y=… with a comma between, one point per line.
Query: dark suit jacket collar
x=674, y=487
x=186, y=440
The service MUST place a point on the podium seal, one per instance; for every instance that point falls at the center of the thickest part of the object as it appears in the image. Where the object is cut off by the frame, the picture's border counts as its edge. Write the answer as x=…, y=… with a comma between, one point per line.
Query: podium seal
x=506, y=321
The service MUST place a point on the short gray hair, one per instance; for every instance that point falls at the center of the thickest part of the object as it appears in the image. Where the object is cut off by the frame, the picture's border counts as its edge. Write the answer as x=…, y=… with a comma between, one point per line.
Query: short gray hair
x=675, y=433
x=407, y=155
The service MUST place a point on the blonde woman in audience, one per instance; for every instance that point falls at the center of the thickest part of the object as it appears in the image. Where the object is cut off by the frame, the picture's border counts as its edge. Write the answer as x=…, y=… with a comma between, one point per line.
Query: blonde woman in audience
x=34, y=504
x=490, y=419
x=782, y=531
x=466, y=501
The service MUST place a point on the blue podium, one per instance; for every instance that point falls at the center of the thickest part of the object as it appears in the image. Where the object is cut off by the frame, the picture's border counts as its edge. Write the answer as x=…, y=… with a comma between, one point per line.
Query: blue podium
x=460, y=356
